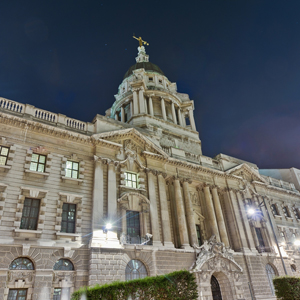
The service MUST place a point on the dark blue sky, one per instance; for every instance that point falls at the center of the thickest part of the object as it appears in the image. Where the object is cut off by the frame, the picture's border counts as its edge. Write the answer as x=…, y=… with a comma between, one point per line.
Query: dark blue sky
x=238, y=60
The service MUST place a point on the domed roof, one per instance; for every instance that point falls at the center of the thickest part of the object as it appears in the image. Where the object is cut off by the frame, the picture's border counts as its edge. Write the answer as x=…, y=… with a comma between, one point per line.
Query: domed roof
x=148, y=66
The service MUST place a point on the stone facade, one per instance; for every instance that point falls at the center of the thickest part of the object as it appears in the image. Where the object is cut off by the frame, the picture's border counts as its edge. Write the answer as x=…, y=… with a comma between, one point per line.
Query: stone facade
x=193, y=211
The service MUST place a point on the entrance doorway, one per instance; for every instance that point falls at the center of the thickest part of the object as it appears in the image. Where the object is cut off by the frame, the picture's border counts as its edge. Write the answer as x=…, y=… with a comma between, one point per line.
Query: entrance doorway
x=215, y=289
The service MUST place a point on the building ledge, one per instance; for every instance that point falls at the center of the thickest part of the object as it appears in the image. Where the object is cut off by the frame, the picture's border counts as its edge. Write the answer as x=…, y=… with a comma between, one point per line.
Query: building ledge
x=41, y=174
x=68, y=236
x=27, y=234
x=72, y=180
x=4, y=168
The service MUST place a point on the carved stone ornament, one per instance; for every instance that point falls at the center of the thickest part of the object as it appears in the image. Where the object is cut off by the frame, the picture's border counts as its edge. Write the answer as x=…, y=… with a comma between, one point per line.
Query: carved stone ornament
x=27, y=277
x=214, y=256
x=64, y=276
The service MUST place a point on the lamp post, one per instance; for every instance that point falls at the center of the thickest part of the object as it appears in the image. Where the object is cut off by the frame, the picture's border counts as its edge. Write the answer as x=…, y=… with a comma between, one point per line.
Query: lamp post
x=251, y=211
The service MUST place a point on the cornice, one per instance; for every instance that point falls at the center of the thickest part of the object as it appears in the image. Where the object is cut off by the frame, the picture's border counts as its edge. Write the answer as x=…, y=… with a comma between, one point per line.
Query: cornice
x=44, y=128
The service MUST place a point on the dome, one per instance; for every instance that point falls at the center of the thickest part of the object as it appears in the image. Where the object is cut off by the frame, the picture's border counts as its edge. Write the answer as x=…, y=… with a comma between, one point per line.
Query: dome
x=148, y=66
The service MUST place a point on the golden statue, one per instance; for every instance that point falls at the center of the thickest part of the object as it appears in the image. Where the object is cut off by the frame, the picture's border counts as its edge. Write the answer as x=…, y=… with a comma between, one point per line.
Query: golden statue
x=141, y=42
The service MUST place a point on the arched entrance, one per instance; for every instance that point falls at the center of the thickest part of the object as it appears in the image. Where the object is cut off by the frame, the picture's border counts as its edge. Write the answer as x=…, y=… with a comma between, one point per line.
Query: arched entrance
x=215, y=288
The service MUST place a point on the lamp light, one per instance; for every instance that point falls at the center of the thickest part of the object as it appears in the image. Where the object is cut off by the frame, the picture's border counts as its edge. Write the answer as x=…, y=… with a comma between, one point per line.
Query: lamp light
x=108, y=226
x=251, y=211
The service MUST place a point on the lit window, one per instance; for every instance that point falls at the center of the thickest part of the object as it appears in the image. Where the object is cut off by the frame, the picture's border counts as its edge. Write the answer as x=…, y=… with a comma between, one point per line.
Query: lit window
x=38, y=162
x=30, y=214
x=199, y=235
x=133, y=227
x=61, y=293
x=135, y=269
x=17, y=294
x=3, y=155
x=286, y=212
x=274, y=210
x=72, y=169
x=271, y=273
x=68, y=218
x=131, y=180
x=296, y=212
x=21, y=263
x=63, y=265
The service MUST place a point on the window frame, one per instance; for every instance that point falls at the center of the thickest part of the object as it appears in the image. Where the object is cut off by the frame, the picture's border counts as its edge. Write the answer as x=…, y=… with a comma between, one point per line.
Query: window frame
x=286, y=212
x=5, y=147
x=17, y=296
x=274, y=209
x=72, y=169
x=260, y=238
x=296, y=212
x=29, y=215
x=130, y=214
x=59, y=297
x=133, y=182
x=68, y=221
x=29, y=265
x=57, y=263
x=198, y=231
x=270, y=276
x=38, y=163
x=140, y=268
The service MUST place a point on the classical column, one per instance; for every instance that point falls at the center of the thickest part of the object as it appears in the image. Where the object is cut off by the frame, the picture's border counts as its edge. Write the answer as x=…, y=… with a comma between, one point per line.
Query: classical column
x=179, y=116
x=146, y=106
x=237, y=228
x=116, y=116
x=183, y=233
x=122, y=114
x=165, y=219
x=135, y=103
x=153, y=210
x=124, y=208
x=192, y=121
x=131, y=108
x=112, y=193
x=163, y=109
x=98, y=199
x=212, y=221
x=189, y=214
x=174, y=113
x=219, y=216
x=98, y=194
x=245, y=221
x=142, y=101
x=151, y=106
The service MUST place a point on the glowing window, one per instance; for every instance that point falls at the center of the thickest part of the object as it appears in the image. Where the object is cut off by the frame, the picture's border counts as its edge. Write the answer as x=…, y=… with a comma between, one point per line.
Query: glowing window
x=38, y=162
x=131, y=180
x=63, y=265
x=3, y=155
x=21, y=263
x=135, y=269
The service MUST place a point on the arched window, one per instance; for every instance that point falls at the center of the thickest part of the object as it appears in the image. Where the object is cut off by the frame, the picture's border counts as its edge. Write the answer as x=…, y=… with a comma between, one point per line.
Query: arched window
x=135, y=269
x=215, y=288
x=21, y=263
x=63, y=265
x=294, y=268
x=271, y=273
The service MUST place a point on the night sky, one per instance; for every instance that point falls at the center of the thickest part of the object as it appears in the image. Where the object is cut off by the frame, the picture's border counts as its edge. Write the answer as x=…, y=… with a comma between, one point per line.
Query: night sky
x=238, y=60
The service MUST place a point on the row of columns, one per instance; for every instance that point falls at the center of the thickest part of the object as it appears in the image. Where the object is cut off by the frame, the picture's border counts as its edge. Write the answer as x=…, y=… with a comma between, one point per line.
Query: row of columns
x=139, y=105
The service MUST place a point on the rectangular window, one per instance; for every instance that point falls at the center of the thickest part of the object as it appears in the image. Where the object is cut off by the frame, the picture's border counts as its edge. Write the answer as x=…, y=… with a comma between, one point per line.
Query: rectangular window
x=3, y=155
x=296, y=212
x=274, y=210
x=30, y=214
x=61, y=294
x=260, y=237
x=150, y=78
x=17, y=294
x=131, y=180
x=38, y=162
x=133, y=226
x=286, y=212
x=72, y=169
x=282, y=235
x=199, y=235
x=68, y=218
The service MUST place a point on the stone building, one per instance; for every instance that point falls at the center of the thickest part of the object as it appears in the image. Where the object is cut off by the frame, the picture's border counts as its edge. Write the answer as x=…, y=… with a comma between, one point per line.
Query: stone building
x=130, y=195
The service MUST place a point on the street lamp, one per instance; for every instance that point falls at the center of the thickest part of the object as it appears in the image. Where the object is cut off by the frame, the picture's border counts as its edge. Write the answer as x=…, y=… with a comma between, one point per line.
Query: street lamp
x=251, y=211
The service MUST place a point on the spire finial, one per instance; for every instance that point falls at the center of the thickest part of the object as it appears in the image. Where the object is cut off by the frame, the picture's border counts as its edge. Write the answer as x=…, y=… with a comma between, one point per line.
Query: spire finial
x=142, y=56
x=141, y=42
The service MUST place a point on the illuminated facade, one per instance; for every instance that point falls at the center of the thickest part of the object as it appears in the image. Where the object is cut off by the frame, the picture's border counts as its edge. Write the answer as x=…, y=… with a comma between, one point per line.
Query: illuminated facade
x=130, y=195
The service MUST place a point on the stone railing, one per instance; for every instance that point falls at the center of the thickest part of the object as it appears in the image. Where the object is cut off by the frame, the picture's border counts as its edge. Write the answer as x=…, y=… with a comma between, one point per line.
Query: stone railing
x=280, y=183
x=27, y=110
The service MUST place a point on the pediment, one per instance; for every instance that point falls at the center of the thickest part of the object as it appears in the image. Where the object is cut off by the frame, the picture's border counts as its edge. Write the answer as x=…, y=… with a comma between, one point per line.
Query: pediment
x=132, y=140
x=246, y=173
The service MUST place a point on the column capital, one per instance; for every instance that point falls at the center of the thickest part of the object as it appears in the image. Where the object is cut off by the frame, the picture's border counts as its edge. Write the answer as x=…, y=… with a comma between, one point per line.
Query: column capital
x=188, y=180
x=163, y=174
x=148, y=171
